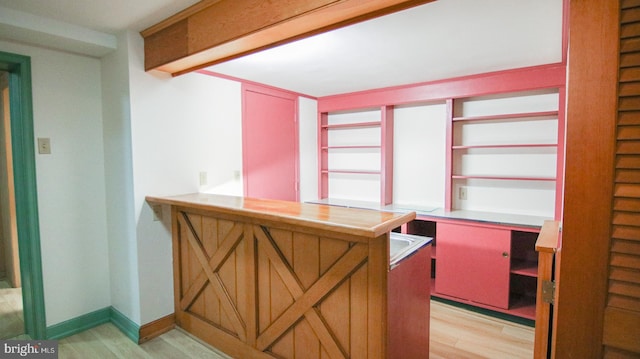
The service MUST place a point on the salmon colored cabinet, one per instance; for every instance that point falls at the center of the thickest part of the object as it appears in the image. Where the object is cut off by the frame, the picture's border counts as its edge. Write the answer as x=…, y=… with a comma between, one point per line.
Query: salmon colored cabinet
x=474, y=263
x=487, y=265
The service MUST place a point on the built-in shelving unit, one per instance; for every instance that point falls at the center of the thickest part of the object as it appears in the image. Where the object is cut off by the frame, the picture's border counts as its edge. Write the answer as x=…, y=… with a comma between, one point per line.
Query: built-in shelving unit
x=498, y=157
x=504, y=146
x=354, y=147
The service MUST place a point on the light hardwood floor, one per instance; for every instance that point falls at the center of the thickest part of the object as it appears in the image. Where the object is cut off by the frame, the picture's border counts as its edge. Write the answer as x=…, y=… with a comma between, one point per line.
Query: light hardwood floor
x=106, y=341
x=11, y=322
x=455, y=333
x=459, y=333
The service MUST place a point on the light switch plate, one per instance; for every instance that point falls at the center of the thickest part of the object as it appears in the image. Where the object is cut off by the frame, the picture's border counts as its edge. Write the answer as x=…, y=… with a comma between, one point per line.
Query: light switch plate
x=203, y=178
x=44, y=146
x=462, y=193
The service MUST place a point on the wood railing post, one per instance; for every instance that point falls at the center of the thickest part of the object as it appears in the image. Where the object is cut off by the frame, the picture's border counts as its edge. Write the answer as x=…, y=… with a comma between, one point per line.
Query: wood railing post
x=546, y=246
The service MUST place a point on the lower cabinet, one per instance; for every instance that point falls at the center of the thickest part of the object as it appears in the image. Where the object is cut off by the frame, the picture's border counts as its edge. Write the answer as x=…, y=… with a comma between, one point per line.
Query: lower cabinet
x=473, y=263
x=481, y=264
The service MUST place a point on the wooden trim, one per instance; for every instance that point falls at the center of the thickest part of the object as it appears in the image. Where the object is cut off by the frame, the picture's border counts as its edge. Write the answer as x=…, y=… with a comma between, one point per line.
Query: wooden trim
x=590, y=144
x=548, y=237
x=182, y=15
x=565, y=30
x=156, y=328
x=351, y=224
x=209, y=267
x=546, y=246
x=216, y=31
x=251, y=277
x=176, y=251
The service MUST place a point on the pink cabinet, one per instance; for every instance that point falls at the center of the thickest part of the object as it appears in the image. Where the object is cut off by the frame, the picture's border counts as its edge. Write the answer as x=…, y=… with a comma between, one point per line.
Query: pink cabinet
x=474, y=263
x=408, y=307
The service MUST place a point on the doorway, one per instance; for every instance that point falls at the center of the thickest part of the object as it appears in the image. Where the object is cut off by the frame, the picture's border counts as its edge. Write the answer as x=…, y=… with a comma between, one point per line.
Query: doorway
x=18, y=70
x=11, y=316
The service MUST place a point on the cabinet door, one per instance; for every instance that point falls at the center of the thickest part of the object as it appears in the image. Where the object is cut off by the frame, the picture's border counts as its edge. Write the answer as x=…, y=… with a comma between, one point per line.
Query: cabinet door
x=473, y=263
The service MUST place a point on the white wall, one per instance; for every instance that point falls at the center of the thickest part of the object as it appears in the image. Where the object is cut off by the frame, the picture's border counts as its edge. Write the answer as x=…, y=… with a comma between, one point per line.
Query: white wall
x=123, y=251
x=180, y=127
x=308, y=138
x=67, y=108
x=419, y=155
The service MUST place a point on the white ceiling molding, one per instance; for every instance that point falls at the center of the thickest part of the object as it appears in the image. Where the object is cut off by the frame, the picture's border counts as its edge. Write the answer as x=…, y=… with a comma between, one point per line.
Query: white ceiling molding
x=26, y=28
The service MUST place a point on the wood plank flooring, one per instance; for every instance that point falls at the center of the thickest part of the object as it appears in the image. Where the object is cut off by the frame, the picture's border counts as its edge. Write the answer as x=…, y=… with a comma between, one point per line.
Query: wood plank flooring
x=11, y=322
x=455, y=333
x=459, y=333
x=106, y=341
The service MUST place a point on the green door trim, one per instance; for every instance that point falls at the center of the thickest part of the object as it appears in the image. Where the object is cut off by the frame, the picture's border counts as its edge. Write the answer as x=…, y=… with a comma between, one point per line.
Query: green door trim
x=24, y=169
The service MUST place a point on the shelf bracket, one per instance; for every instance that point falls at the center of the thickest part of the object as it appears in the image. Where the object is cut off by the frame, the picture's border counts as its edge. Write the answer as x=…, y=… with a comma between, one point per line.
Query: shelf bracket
x=548, y=291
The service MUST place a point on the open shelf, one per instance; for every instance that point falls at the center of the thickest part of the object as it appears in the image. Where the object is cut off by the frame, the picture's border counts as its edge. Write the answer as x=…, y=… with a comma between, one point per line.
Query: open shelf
x=524, y=268
x=364, y=172
x=511, y=116
x=351, y=125
x=374, y=147
x=356, y=142
x=514, y=145
x=508, y=178
x=522, y=306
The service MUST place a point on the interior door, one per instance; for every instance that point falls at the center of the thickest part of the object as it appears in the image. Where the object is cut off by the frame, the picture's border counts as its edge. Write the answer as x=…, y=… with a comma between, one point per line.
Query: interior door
x=269, y=143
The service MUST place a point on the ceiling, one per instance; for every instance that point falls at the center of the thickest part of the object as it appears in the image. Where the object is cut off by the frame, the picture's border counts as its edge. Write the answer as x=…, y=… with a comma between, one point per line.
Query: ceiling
x=109, y=16
x=442, y=39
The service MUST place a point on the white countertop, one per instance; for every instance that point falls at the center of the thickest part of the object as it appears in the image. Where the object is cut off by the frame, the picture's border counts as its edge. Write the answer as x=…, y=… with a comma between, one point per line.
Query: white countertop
x=435, y=212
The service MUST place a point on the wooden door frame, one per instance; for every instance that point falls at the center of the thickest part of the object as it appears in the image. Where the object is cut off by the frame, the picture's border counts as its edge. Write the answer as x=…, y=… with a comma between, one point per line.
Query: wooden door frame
x=592, y=75
x=24, y=170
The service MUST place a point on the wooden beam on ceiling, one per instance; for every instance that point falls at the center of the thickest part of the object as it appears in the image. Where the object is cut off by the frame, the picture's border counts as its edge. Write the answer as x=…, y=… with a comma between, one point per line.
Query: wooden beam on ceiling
x=214, y=31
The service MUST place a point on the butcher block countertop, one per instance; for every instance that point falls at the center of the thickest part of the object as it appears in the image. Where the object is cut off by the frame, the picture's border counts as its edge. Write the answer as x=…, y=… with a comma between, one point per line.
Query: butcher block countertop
x=354, y=221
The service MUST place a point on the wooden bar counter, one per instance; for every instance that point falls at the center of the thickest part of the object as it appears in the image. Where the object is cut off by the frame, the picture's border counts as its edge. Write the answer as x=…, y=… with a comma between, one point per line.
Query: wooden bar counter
x=264, y=278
